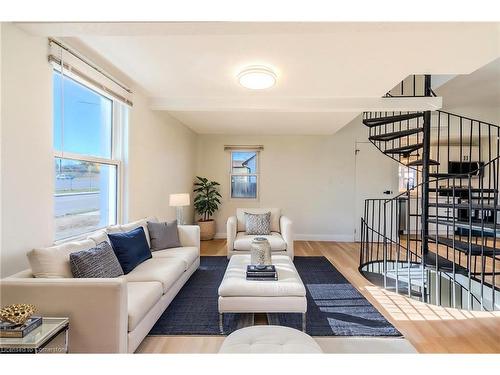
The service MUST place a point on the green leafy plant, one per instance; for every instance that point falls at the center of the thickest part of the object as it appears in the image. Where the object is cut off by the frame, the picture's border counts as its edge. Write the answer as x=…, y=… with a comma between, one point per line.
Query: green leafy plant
x=207, y=197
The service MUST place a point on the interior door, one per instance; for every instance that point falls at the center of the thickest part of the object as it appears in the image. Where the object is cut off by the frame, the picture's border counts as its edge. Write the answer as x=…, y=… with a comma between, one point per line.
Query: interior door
x=376, y=177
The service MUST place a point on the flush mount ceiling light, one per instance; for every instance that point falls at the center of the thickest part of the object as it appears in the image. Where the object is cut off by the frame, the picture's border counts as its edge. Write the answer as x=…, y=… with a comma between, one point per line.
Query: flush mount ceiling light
x=257, y=77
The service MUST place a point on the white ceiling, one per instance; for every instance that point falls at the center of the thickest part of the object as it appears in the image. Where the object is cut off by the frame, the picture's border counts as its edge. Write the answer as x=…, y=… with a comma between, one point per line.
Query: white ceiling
x=189, y=69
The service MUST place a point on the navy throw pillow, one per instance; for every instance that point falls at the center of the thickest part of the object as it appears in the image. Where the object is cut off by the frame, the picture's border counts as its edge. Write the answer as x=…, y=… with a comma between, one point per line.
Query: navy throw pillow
x=131, y=248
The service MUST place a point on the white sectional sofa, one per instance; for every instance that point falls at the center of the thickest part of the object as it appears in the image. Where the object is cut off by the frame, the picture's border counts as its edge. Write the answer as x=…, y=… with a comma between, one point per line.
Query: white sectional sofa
x=108, y=315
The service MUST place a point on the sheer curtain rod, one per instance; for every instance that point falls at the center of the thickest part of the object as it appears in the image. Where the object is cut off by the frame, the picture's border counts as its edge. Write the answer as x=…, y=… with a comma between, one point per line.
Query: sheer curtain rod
x=244, y=147
x=93, y=66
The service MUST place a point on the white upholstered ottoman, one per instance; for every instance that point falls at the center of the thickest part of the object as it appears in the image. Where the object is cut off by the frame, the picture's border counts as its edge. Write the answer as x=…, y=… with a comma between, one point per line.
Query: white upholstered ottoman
x=239, y=295
x=269, y=339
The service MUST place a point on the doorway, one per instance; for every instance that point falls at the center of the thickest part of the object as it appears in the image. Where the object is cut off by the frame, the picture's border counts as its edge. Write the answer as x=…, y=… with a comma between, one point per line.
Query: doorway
x=376, y=177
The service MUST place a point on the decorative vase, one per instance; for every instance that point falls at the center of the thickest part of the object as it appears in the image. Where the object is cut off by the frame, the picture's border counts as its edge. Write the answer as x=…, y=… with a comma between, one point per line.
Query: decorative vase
x=260, y=252
x=207, y=230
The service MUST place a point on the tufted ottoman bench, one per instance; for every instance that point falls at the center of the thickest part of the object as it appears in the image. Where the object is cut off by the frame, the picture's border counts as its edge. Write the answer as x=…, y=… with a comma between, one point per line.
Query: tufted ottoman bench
x=239, y=295
x=269, y=339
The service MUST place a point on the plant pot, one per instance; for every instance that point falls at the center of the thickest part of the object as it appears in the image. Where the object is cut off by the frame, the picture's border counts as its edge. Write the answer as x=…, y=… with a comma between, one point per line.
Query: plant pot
x=207, y=229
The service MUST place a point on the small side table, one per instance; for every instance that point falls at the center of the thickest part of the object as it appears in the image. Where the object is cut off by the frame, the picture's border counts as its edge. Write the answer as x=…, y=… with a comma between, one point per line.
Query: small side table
x=50, y=337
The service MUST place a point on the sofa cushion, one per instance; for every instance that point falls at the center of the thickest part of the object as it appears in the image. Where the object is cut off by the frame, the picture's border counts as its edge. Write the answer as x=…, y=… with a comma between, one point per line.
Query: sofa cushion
x=163, y=235
x=99, y=261
x=52, y=262
x=165, y=270
x=187, y=254
x=99, y=236
x=142, y=296
x=243, y=241
x=131, y=248
x=275, y=217
x=139, y=223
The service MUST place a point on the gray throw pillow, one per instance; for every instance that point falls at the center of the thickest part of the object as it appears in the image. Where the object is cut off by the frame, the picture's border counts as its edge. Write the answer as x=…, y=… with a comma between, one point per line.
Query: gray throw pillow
x=97, y=262
x=163, y=235
x=258, y=223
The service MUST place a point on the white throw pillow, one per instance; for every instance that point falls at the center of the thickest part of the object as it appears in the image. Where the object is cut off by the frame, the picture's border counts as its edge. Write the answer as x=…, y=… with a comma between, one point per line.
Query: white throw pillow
x=99, y=237
x=53, y=262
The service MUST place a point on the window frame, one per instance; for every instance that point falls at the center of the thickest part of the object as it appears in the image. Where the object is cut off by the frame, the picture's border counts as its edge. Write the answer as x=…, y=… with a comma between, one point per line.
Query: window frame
x=117, y=124
x=256, y=174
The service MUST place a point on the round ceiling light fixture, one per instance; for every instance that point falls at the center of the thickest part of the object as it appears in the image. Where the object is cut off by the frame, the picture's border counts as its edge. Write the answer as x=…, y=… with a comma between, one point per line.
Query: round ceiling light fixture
x=257, y=77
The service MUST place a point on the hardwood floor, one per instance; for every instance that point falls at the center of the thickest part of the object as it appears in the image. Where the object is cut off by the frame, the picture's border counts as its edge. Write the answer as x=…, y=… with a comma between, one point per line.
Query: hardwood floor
x=430, y=329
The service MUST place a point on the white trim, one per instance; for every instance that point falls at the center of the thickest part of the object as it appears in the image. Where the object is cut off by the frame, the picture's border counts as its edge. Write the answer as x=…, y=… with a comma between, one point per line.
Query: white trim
x=295, y=104
x=325, y=237
x=309, y=237
x=92, y=159
x=78, y=237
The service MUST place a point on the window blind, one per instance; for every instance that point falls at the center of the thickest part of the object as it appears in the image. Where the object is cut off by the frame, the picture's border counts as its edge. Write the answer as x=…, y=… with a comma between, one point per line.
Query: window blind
x=73, y=63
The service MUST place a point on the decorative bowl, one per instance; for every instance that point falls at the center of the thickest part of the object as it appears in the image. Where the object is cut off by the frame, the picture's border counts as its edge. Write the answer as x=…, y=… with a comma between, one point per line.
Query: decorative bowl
x=17, y=313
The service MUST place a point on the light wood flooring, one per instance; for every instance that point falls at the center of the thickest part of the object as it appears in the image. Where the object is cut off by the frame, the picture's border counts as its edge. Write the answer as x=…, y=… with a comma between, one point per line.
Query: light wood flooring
x=430, y=329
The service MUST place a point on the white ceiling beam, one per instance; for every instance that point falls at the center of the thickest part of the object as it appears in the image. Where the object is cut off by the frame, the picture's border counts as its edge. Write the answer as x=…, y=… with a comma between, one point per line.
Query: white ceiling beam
x=281, y=104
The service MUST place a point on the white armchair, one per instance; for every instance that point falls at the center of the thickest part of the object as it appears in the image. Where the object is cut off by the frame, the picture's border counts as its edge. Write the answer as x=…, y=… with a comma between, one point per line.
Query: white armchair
x=281, y=237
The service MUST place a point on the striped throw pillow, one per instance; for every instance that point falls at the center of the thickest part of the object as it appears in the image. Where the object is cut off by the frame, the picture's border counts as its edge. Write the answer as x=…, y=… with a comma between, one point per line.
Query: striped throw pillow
x=98, y=262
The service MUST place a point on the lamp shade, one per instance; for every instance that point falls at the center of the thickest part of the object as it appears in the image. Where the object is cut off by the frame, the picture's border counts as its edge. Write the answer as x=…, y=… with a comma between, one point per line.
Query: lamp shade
x=179, y=200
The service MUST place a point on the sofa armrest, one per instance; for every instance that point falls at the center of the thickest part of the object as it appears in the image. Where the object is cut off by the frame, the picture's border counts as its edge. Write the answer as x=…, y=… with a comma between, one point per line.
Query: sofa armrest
x=231, y=227
x=189, y=235
x=96, y=308
x=288, y=235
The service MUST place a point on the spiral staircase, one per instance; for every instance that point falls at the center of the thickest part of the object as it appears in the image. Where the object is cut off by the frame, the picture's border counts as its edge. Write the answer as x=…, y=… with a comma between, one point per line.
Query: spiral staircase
x=438, y=240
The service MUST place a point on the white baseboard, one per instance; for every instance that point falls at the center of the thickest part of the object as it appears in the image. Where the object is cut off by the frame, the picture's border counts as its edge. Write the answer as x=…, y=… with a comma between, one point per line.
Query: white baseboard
x=311, y=237
x=325, y=237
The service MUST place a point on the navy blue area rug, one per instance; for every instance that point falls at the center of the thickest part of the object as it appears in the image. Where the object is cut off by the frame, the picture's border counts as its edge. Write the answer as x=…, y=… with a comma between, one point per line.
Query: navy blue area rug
x=334, y=306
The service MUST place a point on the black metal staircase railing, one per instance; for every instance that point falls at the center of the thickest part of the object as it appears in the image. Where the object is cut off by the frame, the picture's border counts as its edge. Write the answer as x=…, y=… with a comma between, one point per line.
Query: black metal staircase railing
x=437, y=240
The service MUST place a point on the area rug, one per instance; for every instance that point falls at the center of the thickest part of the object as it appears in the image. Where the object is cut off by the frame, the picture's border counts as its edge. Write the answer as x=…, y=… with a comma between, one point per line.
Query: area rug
x=335, y=307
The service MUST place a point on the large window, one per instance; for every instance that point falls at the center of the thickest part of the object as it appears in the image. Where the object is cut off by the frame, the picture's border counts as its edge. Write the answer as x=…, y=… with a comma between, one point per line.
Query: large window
x=86, y=163
x=244, y=174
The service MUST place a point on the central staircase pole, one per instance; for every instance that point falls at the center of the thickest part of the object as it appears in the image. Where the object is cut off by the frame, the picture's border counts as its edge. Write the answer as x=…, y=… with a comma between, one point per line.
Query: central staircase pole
x=425, y=172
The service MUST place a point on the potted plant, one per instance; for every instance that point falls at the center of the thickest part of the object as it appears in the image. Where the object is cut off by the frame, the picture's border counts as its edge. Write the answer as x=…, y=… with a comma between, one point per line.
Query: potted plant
x=206, y=202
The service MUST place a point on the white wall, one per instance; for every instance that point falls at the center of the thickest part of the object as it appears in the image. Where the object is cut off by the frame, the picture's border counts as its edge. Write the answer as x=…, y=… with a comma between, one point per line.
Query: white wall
x=161, y=161
x=26, y=145
x=310, y=177
x=486, y=113
x=161, y=157
x=1, y=170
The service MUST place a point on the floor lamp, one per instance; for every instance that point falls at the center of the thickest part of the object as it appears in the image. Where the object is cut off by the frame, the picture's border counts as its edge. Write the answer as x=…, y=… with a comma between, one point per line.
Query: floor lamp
x=179, y=201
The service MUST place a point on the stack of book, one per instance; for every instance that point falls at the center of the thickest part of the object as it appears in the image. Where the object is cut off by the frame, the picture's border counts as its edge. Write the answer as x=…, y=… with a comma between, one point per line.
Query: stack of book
x=10, y=330
x=262, y=273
